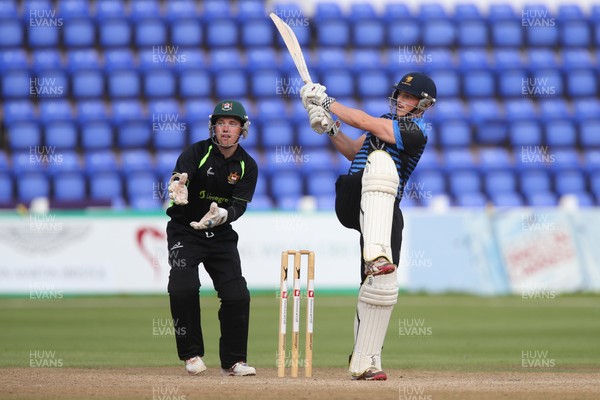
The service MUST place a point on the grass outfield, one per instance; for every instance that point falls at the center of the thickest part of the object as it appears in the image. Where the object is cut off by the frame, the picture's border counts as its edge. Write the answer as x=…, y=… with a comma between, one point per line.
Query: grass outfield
x=445, y=332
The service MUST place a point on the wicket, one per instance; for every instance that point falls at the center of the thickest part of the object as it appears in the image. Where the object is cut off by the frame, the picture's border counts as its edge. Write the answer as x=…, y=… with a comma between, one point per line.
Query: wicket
x=310, y=304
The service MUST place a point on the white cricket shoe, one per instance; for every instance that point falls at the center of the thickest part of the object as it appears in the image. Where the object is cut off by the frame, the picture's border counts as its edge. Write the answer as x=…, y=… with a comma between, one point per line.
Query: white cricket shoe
x=239, y=369
x=195, y=365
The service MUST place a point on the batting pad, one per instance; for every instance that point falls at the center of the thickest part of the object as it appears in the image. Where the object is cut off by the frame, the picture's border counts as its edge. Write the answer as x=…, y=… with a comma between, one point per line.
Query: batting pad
x=379, y=188
x=376, y=300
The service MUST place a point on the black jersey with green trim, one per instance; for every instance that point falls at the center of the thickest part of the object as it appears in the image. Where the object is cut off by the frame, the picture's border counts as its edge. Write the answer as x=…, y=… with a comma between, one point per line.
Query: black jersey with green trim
x=411, y=138
x=230, y=182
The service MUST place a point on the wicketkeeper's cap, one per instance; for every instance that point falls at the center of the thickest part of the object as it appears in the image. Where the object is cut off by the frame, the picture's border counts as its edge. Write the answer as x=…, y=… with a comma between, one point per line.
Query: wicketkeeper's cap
x=229, y=108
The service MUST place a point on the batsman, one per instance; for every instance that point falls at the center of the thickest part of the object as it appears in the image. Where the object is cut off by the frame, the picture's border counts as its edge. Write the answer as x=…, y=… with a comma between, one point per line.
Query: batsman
x=368, y=198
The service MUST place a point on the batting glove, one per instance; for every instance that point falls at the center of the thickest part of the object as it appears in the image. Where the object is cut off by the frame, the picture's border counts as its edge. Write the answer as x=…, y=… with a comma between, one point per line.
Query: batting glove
x=312, y=93
x=214, y=217
x=177, y=189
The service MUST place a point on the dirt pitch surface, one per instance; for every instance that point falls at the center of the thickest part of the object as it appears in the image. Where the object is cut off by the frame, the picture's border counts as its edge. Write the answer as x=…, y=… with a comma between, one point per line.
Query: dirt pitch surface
x=173, y=384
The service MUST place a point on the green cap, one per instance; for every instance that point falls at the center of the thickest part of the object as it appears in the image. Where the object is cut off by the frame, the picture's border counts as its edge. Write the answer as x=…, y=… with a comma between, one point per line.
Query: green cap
x=229, y=108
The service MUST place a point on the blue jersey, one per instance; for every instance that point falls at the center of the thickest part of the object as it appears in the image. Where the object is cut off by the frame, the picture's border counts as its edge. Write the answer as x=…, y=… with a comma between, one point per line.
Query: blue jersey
x=411, y=138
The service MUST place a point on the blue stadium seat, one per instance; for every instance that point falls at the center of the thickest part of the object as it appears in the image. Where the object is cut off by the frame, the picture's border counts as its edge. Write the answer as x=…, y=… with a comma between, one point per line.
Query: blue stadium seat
x=180, y=10
x=61, y=134
x=114, y=32
x=447, y=82
x=520, y=109
x=470, y=200
x=230, y=83
x=159, y=83
x=221, y=32
x=22, y=135
x=525, y=133
x=582, y=83
x=553, y=108
x=9, y=9
x=403, y=32
x=576, y=58
x=321, y=183
x=432, y=181
x=195, y=83
x=11, y=32
x=589, y=133
x=499, y=181
x=541, y=199
x=142, y=188
x=165, y=162
x=472, y=32
x=24, y=161
x=333, y=32
x=79, y=32
x=257, y=32
x=69, y=186
x=44, y=59
x=267, y=82
x=494, y=158
x=429, y=11
x=591, y=160
x=286, y=183
x=575, y=33
x=541, y=58
x=226, y=58
x=144, y=9
x=569, y=181
x=464, y=181
x=506, y=33
x=40, y=34
x=327, y=10
x=216, y=9
x=105, y=186
x=561, y=133
x=317, y=159
x=478, y=83
x=565, y=159
x=169, y=128
x=373, y=83
x=4, y=163
x=508, y=58
x=454, y=133
x=473, y=58
x=55, y=110
x=63, y=162
x=545, y=82
x=94, y=125
x=507, y=199
x=458, y=158
x=368, y=33
x=31, y=185
x=186, y=32
x=438, y=33
x=271, y=109
x=260, y=202
x=134, y=161
x=277, y=132
x=16, y=84
x=307, y=137
x=587, y=108
x=541, y=36
x=339, y=82
x=198, y=109
x=6, y=188
x=110, y=9
x=123, y=84
x=511, y=82
x=595, y=183
x=150, y=32
x=100, y=161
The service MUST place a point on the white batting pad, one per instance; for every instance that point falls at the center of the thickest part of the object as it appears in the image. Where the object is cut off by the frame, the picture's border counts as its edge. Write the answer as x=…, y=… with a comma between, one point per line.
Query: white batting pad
x=376, y=300
x=379, y=188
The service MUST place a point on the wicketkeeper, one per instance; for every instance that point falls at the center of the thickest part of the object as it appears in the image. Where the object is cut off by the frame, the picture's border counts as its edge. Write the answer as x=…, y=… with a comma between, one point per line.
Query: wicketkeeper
x=368, y=198
x=213, y=181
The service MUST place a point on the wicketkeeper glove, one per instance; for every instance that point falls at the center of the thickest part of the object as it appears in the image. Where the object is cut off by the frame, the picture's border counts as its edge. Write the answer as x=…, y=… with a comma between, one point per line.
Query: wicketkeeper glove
x=214, y=217
x=177, y=189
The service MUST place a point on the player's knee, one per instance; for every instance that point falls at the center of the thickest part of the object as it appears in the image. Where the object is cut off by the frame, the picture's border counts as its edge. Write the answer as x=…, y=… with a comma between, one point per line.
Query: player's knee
x=183, y=281
x=234, y=292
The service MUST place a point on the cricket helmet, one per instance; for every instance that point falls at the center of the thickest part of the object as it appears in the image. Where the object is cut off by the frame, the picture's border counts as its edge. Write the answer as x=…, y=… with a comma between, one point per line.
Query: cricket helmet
x=417, y=84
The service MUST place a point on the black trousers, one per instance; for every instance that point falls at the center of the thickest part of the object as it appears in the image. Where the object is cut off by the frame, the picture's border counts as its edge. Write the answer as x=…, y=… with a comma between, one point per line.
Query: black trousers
x=217, y=251
x=347, y=208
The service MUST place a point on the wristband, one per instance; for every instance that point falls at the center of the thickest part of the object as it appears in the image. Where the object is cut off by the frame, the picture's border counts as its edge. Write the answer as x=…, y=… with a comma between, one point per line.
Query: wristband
x=327, y=103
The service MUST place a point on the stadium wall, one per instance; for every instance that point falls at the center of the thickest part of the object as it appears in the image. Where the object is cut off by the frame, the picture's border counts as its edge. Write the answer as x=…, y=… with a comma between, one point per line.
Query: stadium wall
x=518, y=251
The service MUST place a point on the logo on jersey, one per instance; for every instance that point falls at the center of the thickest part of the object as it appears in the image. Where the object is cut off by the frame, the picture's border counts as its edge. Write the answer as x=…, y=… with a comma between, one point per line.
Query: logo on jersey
x=233, y=178
x=210, y=171
x=226, y=106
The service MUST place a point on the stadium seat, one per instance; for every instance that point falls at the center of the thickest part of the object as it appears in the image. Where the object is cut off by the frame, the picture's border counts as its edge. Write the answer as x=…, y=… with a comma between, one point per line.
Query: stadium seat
x=61, y=134
x=470, y=200
x=478, y=83
x=286, y=183
x=123, y=84
x=464, y=181
x=321, y=183
x=339, y=80
x=79, y=32
x=541, y=36
x=11, y=32
x=561, y=133
x=542, y=199
x=179, y=10
x=44, y=33
x=221, y=32
x=582, y=83
x=142, y=185
x=105, y=186
x=507, y=199
x=368, y=32
x=333, y=32
x=511, y=83
x=541, y=58
x=16, y=84
x=454, y=133
x=508, y=58
x=22, y=135
x=591, y=160
x=447, y=81
x=114, y=32
x=194, y=83
x=6, y=188
x=277, y=133
x=569, y=181
x=134, y=161
x=499, y=181
x=32, y=185
x=457, y=158
x=186, y=31
x=307, y=137
x=494, y=158
x=506, y=33
x=372, y=83
x=520, y=109
x=69, y=186
x=525, y=133
x=100, y=161
x=230, y=83
x=133, y=128
x=595, y=183
x=159, y=83
x=96, y=135
x=169, y=129
x=545, y=82
x=198, y=109
x=267, y=82
x=576, y=59
x=257, y=32
x=150, y=32
x=554, y=108
x=165, y=162
x=403, y=31
x=432, y=181
x=575, y=33
x=589, y=133
x=472, y=33
x=587, y=108
x=9, y=9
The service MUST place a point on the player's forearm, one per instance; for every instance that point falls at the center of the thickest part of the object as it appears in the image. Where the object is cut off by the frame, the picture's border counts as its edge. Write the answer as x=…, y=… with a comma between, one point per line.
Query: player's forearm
x=351, y=116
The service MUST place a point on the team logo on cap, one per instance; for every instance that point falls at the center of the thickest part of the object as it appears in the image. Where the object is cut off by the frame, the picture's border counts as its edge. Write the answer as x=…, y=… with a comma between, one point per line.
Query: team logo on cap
x=408, y=80
x=226, y=106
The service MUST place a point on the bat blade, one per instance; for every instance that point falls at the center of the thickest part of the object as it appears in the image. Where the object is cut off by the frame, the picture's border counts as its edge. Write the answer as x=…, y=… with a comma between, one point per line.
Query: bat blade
x=291, y=42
